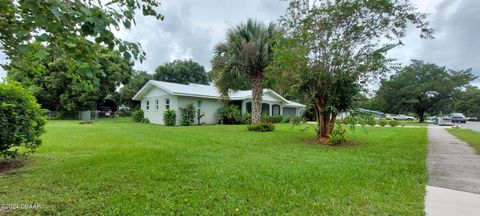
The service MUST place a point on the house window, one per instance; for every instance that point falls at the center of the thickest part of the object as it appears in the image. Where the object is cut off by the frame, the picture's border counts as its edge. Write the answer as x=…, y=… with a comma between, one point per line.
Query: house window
x=275, y=109
x=148, y=105
x=156, y=104
x=167, y=103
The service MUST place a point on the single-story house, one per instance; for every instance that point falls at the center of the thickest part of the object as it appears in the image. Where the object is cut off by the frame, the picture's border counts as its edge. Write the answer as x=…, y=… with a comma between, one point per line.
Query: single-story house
x=156, y=96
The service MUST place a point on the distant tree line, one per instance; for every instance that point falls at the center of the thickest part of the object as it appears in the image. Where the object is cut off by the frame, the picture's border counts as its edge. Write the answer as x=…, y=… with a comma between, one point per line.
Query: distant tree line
x=422, y=88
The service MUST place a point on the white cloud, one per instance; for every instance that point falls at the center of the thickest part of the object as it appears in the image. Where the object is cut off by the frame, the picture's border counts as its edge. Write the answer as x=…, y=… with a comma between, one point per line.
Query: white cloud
x=191, y=29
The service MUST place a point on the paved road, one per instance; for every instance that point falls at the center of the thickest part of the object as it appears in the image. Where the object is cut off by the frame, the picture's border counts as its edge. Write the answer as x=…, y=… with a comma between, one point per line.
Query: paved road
x=472, y=125
x=454, y=175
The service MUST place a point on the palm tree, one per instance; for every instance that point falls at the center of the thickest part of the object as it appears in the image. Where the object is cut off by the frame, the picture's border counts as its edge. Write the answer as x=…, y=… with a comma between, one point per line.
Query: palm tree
x=240, y=61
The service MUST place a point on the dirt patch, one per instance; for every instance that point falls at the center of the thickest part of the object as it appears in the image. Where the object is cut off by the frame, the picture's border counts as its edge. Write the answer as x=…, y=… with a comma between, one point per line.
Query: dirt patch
x=7, y=165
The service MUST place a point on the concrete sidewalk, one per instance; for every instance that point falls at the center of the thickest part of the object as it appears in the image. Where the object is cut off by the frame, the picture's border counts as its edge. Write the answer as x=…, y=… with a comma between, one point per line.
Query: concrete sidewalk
x=454, y=171
x=441, y=201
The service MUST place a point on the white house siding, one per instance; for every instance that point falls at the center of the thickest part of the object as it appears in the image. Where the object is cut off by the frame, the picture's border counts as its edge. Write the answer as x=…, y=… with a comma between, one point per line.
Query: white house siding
x=153, y=114
x=208, y=106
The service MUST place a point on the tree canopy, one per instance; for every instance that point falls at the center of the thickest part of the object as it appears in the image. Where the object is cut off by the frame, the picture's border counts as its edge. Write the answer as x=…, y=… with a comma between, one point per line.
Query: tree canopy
x=126, y=93
x=333, y=48
x=66, y=30
x=241, y=60
x=181, y=71
x=55, y=83
x=420, y=86
x=468, y=102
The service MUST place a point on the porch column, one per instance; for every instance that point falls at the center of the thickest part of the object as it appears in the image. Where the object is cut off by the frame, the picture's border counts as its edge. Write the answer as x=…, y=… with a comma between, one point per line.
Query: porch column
x=281, y=110
x=244, y=107
x=270, y=109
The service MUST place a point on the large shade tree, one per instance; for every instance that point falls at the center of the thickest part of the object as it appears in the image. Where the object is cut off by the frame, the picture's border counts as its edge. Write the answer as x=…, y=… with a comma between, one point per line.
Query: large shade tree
x=127, y=91
x=333, y=48
x=66, y=29
x=421, y=87
x=468, y=102
x=54, y=83
x=181, y=71
x=242, y=59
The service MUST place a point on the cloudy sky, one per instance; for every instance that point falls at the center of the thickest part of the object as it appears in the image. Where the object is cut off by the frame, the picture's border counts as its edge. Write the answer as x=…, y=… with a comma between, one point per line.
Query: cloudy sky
x=191, y=28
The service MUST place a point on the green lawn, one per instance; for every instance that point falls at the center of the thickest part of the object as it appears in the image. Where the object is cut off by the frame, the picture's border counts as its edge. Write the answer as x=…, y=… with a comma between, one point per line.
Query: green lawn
x=467, y=135
x=120, y=167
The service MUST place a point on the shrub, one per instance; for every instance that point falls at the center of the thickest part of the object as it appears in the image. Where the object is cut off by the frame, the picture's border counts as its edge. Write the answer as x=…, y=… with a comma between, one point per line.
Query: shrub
x=145, y=120
x=230, y=114
x=383, y=122
x=247, y=118
x=393, y=123
x=338, y=135
x=362, y=121
x=188, y=114
x=262, y=127
x=21, y=120
x=371, y=121
x=349, y=120
x=286, y=119
x=137, y=115
x=296, y=120
x=169, y=117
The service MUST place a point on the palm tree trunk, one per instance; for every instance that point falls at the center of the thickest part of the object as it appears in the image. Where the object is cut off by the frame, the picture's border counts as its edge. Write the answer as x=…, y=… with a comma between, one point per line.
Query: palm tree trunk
x=257, y=92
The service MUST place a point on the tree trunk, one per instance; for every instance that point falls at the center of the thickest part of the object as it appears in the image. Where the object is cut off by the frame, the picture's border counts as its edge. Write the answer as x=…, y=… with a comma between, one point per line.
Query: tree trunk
x=421, y=116
x=257, y=93
x=322, y=121
x=331, y=123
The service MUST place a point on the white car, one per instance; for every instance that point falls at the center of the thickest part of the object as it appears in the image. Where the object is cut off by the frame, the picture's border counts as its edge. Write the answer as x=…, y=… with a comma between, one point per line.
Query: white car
x=445, y=121
x=404, y=117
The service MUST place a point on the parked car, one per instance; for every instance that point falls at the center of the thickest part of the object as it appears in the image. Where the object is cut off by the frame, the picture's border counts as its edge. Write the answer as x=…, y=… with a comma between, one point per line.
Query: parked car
x=389, y=116
x=403, y=117
x=445, y=121
x=472, y=119
x=458, y=118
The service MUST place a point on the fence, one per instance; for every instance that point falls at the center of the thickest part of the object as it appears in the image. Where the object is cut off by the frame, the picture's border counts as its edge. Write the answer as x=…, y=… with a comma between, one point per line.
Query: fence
x=72, y=115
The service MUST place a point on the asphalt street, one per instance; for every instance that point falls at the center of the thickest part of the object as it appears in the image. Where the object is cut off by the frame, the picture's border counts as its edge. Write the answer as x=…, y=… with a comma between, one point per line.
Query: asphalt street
x=472, y=125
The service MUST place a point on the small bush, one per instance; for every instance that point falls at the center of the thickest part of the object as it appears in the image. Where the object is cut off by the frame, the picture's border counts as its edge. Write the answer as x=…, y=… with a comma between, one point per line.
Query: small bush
x=286, y=119
x=273, y=119
x=169, y=117
x=338, y=135
x=145, y=120
x=393, y=123
x=230, y=114
x=371, y=121
x=21, y=120
x=188, y=114
x=261, y=127
x=138, y=115
x=247, y=118
x=296, y=120
x=362, y=122
x=383, y=122
x=350, y=120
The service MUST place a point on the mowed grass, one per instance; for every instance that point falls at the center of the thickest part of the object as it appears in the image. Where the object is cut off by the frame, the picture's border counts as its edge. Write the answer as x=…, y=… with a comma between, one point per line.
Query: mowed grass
x=467, y=135
x=124, y=168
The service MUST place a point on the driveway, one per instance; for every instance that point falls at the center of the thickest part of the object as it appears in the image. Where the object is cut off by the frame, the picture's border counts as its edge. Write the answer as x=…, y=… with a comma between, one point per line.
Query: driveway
x=454, y=175
x=472, y=126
